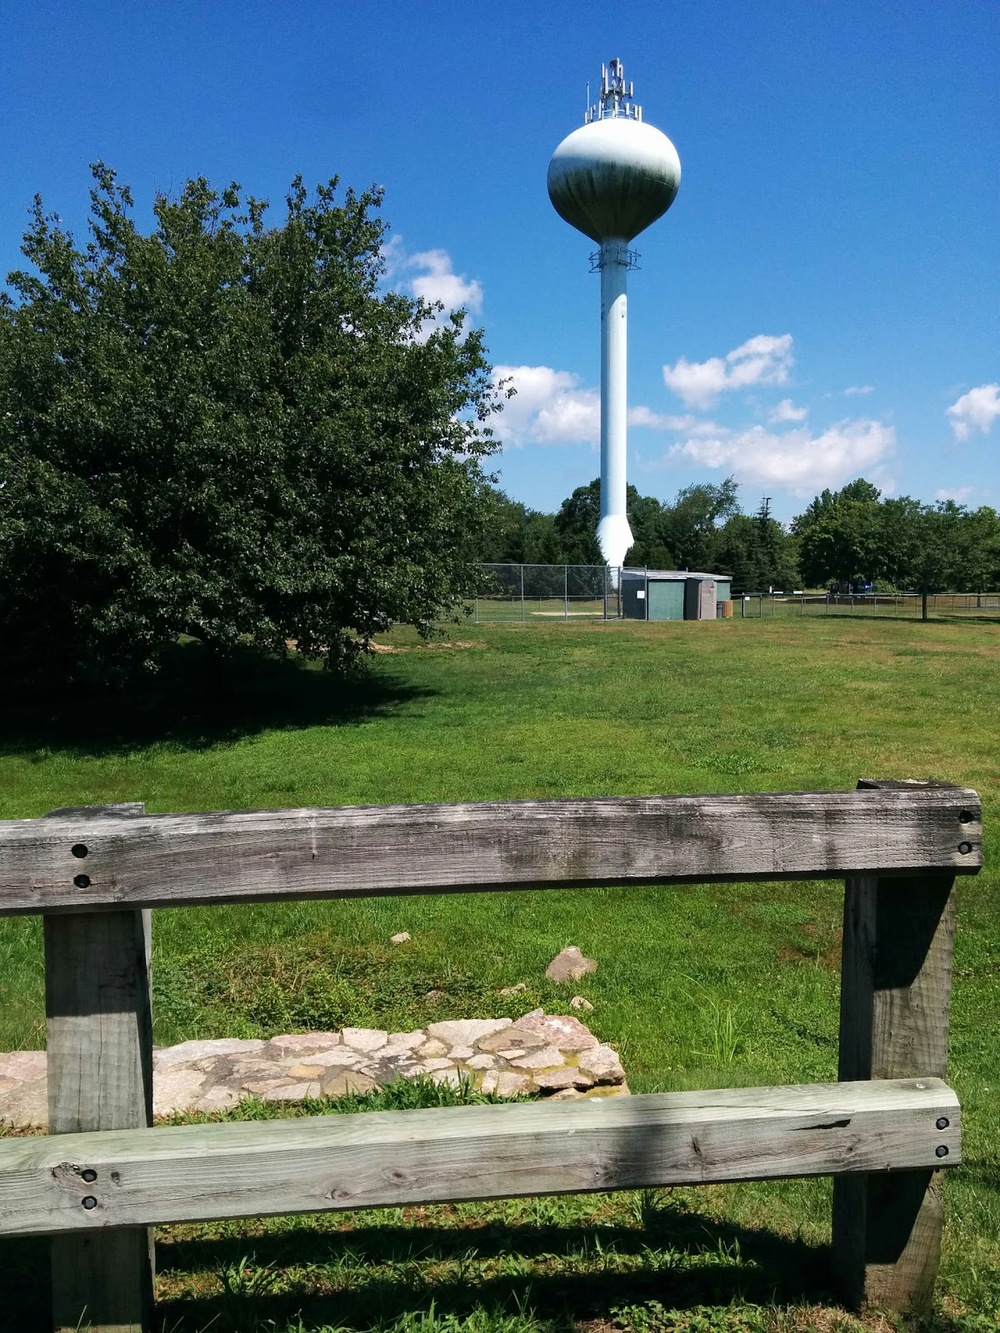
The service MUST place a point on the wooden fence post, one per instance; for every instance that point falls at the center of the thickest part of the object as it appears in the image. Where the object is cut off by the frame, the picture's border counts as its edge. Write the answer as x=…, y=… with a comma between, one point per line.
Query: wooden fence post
x=894, y=1010
x=100, y=1076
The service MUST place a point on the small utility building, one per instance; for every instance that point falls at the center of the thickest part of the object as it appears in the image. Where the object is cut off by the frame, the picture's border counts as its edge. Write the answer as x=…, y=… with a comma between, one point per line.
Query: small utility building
x=675, y=594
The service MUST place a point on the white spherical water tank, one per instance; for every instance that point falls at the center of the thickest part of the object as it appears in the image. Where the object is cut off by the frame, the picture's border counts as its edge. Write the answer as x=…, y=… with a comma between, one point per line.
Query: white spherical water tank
x=610, y=179
x=613, y=177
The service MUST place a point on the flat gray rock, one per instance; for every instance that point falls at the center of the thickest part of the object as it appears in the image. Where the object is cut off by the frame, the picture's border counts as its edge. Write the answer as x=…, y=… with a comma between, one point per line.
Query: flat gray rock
x=23, y=1065
x=549, y=1057
x=562, y=1030
x=603, y=1064
x=189, y=1051
x=364, y=1039
x=302, y=1043
x=467, y=1031
x=349, y=1084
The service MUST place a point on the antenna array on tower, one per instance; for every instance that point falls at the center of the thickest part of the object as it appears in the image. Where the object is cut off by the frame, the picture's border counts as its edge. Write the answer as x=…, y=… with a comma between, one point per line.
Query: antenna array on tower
x=616, y=96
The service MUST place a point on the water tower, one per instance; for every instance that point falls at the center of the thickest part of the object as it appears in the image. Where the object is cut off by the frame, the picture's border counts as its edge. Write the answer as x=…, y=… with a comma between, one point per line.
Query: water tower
x=610, y=179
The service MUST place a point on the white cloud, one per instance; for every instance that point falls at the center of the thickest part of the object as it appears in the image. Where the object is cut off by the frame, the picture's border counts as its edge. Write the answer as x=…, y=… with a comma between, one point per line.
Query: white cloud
x=975, y=410
x=645, y=416
x=552, y=407
x=957, y=493
x=801, y=462
x=787, y=411
x=855, y=389
x=549, y=407
x=430, y=276
x=437, y=281
x=764, y=359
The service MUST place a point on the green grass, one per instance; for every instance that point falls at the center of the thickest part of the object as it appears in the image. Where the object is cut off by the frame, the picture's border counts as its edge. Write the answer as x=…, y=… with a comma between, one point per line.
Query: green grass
x=700, y=986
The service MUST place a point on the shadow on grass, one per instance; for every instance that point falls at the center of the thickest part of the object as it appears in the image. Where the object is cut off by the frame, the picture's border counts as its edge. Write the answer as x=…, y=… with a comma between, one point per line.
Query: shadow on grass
x=564, y=1274
x=197, y=701
x=905, y=617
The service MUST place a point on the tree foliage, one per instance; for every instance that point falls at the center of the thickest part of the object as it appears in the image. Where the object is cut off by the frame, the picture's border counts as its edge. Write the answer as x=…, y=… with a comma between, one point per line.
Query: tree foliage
x=692, y=521
x=758, y=553
x=853, y=535
x=516, y=534
x=576, y=525
x=843, y=537
x=842, y=543
x=226, y=429
x=701, y=529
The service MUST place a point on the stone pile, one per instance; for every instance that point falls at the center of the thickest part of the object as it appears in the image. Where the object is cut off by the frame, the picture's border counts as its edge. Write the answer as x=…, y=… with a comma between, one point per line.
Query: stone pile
x=541, y=1054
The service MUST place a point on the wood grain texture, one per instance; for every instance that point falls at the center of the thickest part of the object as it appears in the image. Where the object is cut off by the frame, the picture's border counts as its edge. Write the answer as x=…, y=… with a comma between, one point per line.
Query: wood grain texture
x=98, y=1021
x=199, y=1172
x=100, y=1077
x=165, y=860
x=895, y=1001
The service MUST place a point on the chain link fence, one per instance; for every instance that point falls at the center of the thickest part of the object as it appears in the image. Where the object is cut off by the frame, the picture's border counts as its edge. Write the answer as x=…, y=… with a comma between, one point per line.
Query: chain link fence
x=546, y=592
x=898, y=605
x=520, y=593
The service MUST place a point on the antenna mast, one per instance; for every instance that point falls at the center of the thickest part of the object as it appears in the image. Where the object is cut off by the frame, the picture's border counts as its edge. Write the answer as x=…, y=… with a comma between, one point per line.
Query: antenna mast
x=616, y=96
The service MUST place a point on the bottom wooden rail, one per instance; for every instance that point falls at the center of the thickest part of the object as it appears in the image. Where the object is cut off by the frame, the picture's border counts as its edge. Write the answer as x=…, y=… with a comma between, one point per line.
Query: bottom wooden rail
x=189, y=1173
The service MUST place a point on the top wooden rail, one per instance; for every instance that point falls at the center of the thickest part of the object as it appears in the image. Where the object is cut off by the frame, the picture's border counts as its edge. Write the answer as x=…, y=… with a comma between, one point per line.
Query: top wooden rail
x=112, y=858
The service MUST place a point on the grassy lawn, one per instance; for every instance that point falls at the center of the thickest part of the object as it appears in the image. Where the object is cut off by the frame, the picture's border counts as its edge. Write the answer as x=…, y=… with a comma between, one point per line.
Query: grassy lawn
x=700, y=986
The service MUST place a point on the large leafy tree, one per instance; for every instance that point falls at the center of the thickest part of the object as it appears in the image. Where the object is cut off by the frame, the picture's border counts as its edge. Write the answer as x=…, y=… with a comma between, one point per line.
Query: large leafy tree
x=227, y=429
x=940, y=548
x=648, y=521
x=684, y=533
x=576, y=525
x=840, y=536
x=691, y=522
x=576, y=528
x=758, y=553
x=518, y=535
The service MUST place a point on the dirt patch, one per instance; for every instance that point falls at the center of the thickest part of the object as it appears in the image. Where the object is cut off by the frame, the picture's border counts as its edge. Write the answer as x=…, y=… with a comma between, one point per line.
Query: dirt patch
x=427, y=647
x=827, y=952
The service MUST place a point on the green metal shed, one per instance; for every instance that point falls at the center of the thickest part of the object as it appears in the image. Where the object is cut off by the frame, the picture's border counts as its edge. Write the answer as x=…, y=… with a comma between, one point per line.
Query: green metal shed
x=673, y=594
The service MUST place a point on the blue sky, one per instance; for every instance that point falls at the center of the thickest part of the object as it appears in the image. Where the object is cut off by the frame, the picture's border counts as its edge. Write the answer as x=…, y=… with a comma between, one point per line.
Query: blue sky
x=821, y=301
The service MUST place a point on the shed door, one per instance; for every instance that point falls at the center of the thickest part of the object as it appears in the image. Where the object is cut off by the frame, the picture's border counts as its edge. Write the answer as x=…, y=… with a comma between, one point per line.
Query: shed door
x=666, y=599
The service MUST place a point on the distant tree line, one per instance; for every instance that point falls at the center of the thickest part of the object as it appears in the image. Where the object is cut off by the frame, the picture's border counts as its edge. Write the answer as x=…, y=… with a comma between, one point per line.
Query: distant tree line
x=854, y=536
x=701, y=529
x=851, y=538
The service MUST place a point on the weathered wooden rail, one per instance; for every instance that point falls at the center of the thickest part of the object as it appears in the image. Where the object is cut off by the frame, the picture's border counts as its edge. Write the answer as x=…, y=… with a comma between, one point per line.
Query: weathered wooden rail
x=104, y=1176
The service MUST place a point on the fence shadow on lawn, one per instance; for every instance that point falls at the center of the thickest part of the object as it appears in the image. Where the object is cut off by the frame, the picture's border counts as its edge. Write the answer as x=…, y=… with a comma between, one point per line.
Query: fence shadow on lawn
x=902, y=617
x=392, y=1272
x=196, y=702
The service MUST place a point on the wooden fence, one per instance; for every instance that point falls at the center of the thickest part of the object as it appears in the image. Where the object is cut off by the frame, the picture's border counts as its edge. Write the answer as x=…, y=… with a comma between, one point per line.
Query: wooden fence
x=104, y=1176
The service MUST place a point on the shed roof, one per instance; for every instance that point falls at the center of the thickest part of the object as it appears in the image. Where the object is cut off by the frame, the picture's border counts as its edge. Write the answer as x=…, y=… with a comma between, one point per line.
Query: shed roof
x=663, y=574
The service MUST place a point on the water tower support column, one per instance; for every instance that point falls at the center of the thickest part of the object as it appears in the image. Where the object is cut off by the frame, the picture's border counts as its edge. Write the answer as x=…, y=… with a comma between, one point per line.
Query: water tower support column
x=614, y=536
